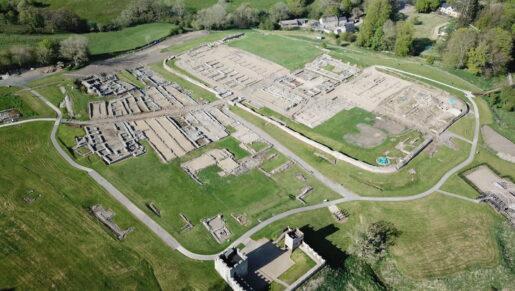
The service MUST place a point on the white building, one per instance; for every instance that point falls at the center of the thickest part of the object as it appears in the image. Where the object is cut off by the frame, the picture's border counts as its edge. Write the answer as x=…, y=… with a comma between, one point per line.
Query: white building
x=336, y=24
x=293, y=23
x=448, y=10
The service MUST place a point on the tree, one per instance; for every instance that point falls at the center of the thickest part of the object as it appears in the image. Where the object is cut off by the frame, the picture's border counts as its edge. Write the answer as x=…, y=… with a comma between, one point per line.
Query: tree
x=493, y=52
x=468, y=10
x=346, y=6
x=461, y=41
x=178, y=8
x=371, y=31
x=47, y=51
x=5, y=59
x=325, y=8
x=245, y=16
x=422, y=6
x=390, y=34
x=214, y=17
x=75, y=49
x=31, y=17
x=65, y=20
x=297, y=7
x=497, y=15
x=279, y=11
x=373, y=244
x=21, y=56
x=477, y=58
x=404, y=38
x=140, y=11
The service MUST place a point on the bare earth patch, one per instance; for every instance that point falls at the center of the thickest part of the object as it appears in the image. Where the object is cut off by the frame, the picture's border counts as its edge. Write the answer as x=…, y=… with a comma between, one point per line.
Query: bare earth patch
x=367, y=137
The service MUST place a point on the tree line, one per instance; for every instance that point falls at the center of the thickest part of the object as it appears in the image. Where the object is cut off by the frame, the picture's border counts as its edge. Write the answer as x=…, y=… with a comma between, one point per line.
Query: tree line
x=73, y=50
x=480, y=40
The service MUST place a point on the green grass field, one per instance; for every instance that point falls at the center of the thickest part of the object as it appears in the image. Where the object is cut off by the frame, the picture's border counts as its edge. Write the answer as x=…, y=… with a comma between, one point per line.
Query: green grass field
x=428, y=169
x=441, y=237
x=99, y=42
x=212, y=36
x=174, y=192
x=278, y=49
x=331, y=133
x=233, y=4
x=127, y=38
x=429, y=21
x=105, y=12
x=303, y=263
x=464, y=127
x=94, y=10
x=364, y=58
x=26, y=103
x=130, y=78
x=49, y=87
x=56, y=243
x=197, y=93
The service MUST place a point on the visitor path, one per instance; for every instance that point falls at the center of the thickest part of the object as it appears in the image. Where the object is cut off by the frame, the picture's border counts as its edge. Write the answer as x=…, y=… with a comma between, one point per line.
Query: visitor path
x=346, y=194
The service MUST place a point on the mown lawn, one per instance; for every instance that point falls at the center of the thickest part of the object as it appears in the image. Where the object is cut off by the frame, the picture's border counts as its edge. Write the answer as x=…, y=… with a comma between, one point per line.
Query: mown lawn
x=428, y=170
x=289, y=53
x=303, y=263
x=175, y=192
x=55, y=242
x=441, y=237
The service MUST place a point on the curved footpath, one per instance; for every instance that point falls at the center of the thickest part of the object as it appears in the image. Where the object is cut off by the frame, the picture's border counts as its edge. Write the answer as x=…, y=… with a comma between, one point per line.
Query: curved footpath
x=347, y=194
x=26, y=121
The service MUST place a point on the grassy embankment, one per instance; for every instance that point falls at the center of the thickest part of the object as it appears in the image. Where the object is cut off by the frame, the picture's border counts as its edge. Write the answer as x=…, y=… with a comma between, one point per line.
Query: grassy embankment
x=100, y=43
x=445, y=243
x=27, y=104
x=55, y=242
x=174, y=192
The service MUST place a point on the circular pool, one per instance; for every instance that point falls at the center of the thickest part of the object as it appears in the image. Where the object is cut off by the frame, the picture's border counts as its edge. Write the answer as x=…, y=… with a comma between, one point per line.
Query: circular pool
x=383, y=161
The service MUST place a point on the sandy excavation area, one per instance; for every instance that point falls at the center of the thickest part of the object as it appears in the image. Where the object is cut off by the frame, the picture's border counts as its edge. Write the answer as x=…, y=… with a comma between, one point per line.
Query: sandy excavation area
x=323, y=88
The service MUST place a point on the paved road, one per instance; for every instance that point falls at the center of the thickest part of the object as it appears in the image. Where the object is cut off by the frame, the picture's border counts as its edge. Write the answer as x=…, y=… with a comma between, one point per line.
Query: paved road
x=27, y=121
x=348, y=195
